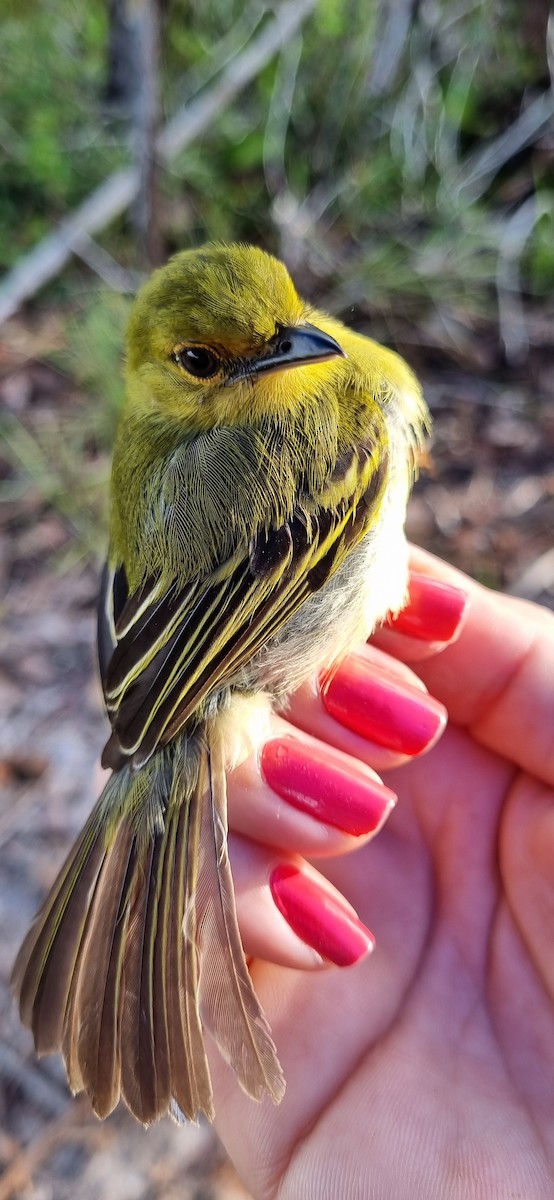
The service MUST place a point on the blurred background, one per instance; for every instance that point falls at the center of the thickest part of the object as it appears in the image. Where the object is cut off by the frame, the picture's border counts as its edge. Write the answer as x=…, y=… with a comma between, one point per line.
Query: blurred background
x=399, y=157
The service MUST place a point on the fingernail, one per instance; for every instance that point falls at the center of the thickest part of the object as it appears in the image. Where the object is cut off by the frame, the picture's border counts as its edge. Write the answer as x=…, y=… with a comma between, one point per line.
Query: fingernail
x=382, y=708
x=318, y=782
x=434, y=611
x=324, y=922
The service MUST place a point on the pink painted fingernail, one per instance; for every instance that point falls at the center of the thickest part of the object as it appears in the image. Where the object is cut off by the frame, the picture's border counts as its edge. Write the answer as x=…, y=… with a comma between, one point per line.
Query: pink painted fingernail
x=320, y=919
x=382, y=707
x=434, y=611
x=316, y=780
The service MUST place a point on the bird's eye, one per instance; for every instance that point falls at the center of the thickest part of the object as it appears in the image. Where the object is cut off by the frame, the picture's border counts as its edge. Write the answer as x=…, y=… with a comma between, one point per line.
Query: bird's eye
x=197, y=361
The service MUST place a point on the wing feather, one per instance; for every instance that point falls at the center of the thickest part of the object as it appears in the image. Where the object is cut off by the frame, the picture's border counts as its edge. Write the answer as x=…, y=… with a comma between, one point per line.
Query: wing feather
x=174, y=650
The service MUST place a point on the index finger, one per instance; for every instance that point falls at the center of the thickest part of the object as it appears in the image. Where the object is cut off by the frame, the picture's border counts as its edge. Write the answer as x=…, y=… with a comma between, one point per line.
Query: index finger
x=497, y=680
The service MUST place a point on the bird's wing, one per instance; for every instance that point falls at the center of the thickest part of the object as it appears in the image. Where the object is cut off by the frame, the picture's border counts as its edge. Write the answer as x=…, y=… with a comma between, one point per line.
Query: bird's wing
x=163, y=652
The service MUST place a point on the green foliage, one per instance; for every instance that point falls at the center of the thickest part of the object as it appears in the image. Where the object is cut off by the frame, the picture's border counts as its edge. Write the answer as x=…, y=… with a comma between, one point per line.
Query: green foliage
x=55, y=143
x=57, y=465
x=93, y=356
x=64, y=455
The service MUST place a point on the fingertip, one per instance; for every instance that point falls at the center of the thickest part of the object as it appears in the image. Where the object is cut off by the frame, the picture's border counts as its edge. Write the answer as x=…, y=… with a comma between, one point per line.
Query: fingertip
x=363, y=722
x=291, y=915
x=319, y=916
x=302, y=796
x=333, y=789
x=382, y=707
x=435, y=611
x=265, y=933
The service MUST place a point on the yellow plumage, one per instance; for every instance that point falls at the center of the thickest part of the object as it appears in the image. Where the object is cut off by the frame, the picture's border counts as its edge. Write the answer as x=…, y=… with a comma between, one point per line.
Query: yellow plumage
x=261, y=472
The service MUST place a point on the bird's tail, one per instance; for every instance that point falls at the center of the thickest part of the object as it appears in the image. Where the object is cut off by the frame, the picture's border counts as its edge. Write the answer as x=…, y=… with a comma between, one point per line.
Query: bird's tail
x=137, y=947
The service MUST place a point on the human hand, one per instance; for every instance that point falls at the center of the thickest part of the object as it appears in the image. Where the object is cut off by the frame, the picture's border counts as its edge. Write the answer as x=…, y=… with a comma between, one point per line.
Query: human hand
x=427, y=1069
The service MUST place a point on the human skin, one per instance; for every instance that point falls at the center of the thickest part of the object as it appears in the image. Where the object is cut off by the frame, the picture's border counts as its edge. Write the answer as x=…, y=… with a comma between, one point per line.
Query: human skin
x=426, y=1070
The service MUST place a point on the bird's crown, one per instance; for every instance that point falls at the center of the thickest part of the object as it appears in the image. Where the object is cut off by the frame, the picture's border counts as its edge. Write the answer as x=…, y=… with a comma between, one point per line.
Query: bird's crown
x=229, y=296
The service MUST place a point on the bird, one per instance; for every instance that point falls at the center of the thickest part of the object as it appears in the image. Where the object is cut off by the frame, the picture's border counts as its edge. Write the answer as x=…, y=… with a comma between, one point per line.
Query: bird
x=262, y=466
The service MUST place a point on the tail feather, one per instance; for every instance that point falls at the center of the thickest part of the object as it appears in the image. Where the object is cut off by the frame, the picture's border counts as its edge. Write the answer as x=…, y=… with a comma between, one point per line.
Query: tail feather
x=139, y=937
x=192, y=1084
x=145, y=1082
x=91, y=1043
x=46, y=962
x=69, y=1050
x=229, y=1005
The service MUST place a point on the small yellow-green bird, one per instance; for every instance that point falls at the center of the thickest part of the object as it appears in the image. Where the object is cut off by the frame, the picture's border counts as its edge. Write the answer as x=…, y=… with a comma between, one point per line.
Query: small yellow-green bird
x=261, y=471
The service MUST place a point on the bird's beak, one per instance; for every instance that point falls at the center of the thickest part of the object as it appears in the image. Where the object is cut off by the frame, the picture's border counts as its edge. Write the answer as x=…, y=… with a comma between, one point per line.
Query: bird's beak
x=294, y=346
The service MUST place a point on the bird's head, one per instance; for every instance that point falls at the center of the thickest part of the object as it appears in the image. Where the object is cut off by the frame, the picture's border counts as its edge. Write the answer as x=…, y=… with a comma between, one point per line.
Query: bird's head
x=220, y=336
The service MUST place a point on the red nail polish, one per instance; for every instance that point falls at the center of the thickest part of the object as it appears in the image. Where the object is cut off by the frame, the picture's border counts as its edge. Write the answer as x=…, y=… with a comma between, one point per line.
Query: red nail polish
x=317, y=781
x=319, y=918
x=434, y=611
x=382, y=708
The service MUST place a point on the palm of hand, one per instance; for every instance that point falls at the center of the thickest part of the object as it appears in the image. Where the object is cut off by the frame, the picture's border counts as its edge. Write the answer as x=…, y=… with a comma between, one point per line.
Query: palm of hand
x=428, y=1070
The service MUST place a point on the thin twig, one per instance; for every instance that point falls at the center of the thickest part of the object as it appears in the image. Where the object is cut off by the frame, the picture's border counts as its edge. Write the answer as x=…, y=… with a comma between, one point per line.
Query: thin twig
x=511, y=310
x=393, y=23
x=106, y=267
x=479, y=168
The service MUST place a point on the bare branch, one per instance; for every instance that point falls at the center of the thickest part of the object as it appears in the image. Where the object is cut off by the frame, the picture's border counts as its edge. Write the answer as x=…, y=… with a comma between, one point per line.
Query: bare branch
x=108, y=270
x=147, y=214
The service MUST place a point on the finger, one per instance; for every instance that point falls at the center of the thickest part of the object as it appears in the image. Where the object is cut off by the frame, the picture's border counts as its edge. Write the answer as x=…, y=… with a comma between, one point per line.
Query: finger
x=301, y=796
x=496, y=680
x=422, y=562
x=372, y=707
x=432, y=619
x=291, y=915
